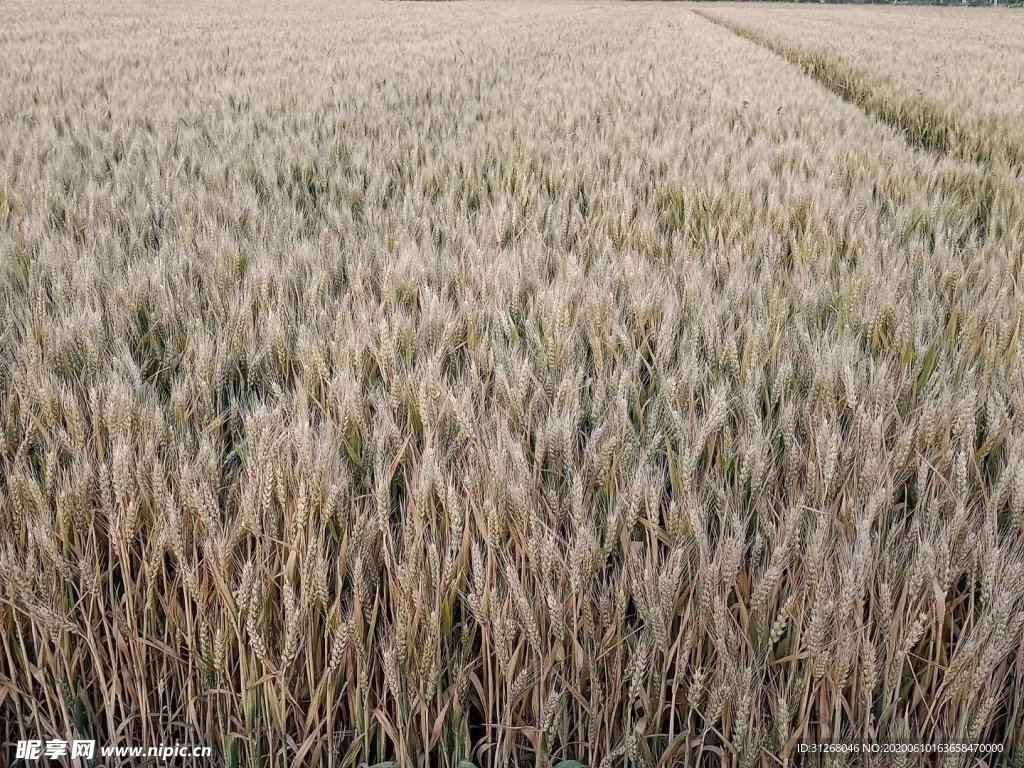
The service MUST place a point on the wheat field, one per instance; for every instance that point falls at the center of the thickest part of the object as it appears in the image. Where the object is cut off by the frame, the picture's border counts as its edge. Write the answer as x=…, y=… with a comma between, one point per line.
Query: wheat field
x=516, y=383
x=951, y=79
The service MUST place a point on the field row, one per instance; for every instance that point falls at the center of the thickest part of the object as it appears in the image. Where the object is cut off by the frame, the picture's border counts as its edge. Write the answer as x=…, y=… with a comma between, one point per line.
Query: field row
x=965, y=98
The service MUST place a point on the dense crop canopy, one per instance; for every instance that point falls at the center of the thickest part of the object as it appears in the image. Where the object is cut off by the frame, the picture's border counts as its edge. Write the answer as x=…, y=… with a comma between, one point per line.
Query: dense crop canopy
x=495, y=381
